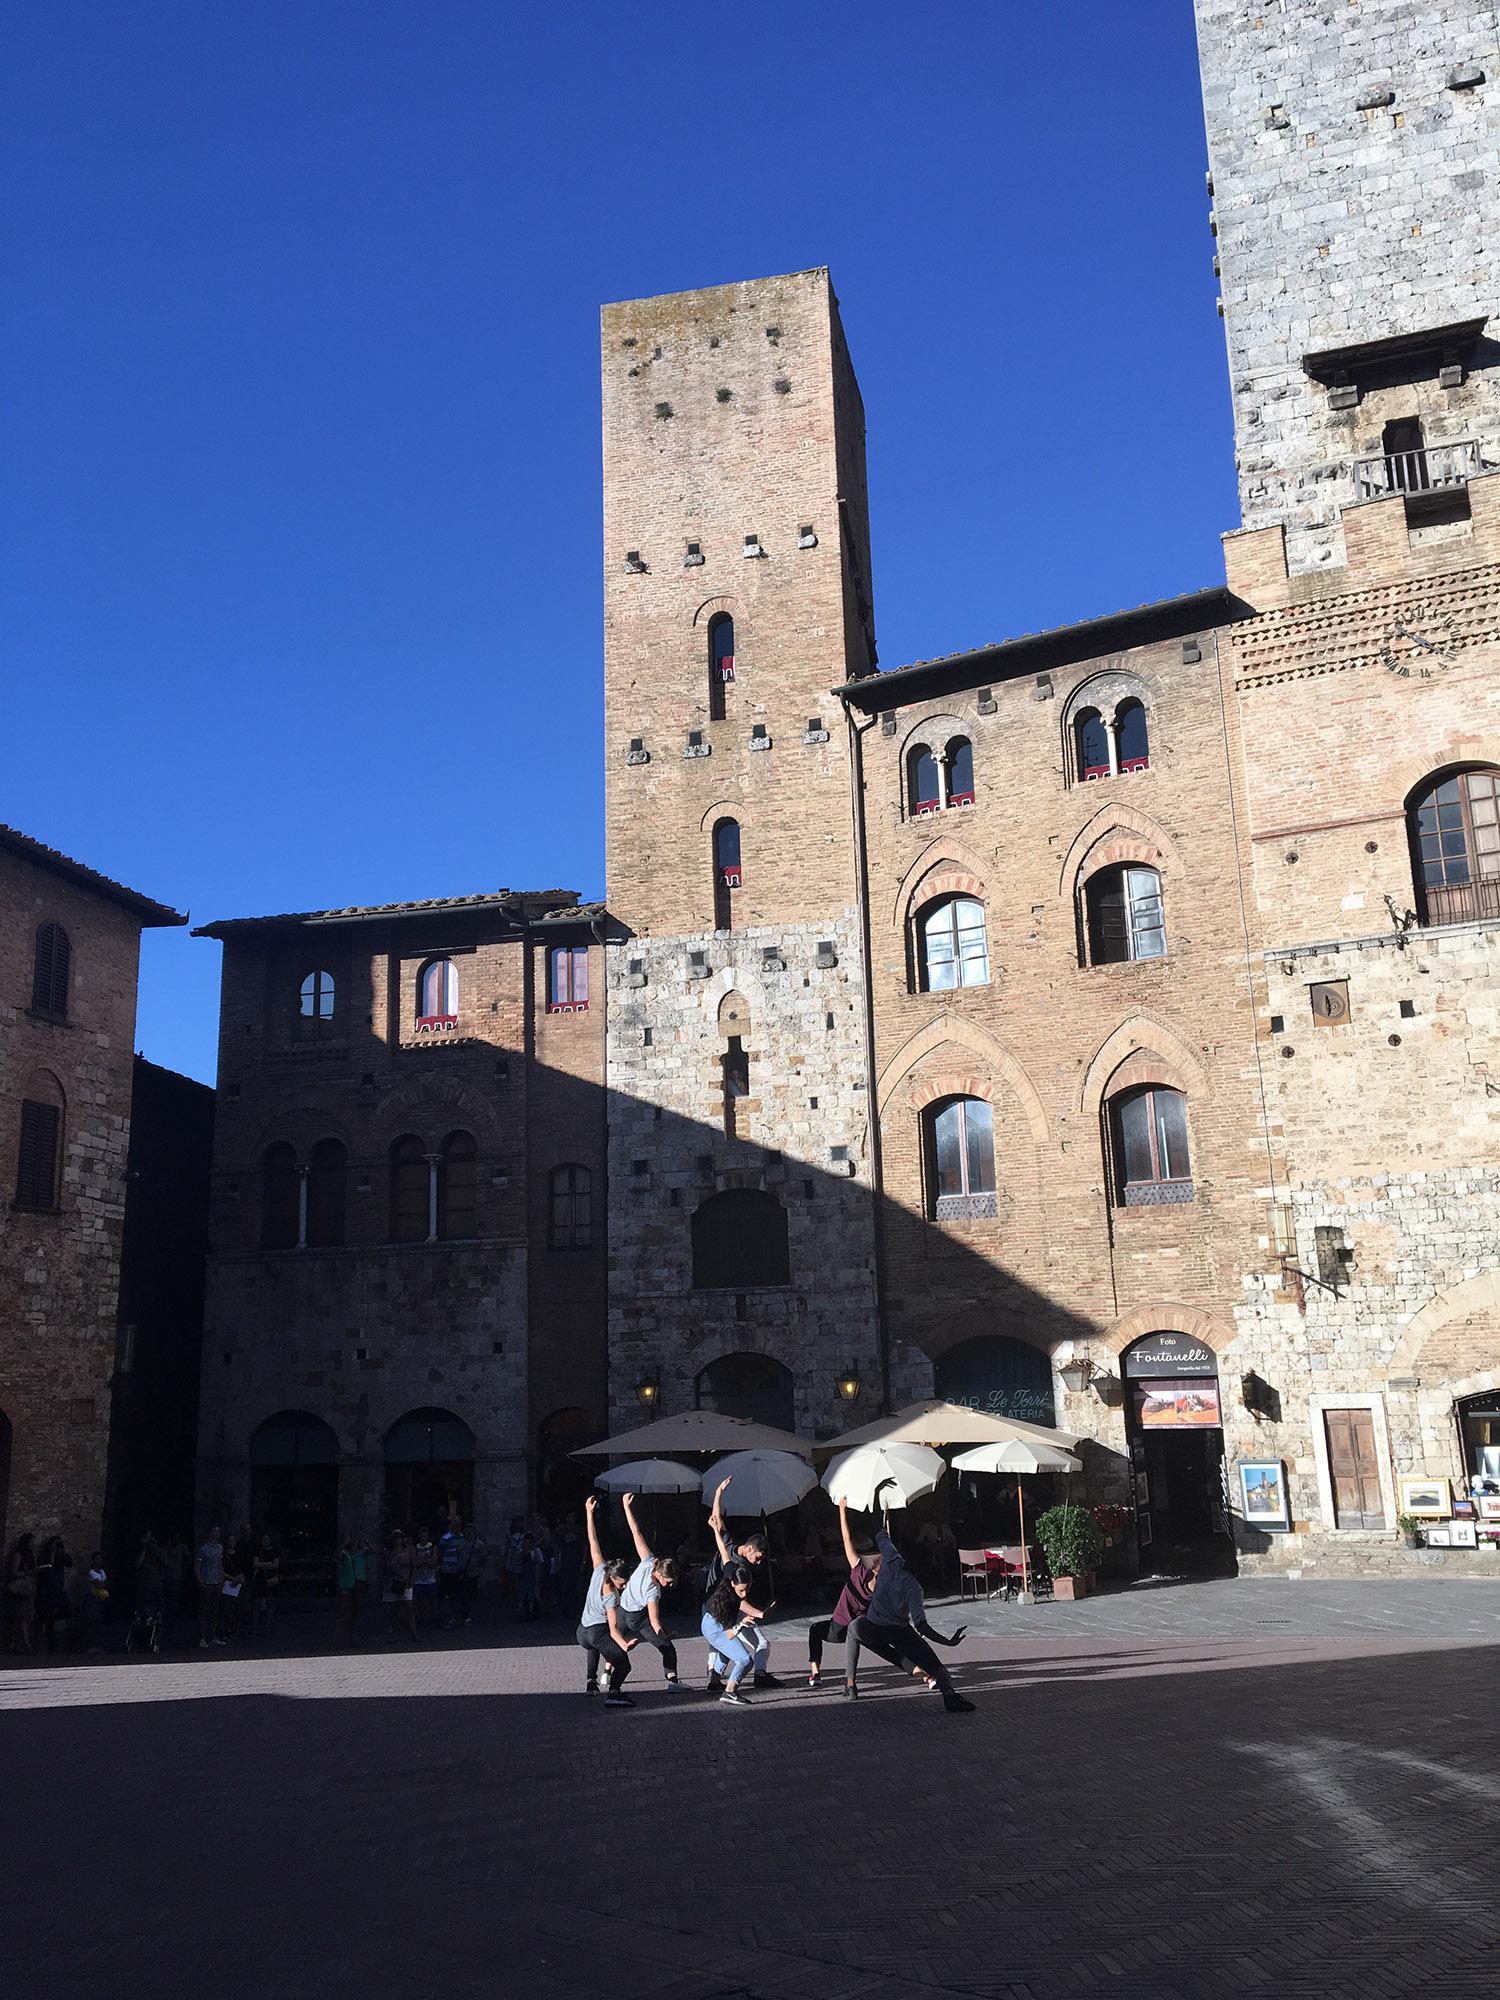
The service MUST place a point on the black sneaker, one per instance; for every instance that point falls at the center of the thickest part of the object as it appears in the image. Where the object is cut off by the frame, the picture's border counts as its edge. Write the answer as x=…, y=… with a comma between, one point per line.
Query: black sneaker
x=591, y=1687
x=715, y=1684
x=618, y=1700
x=768, y=1681
x=735, y=1699
x=956, y=1705
x=851, y=1692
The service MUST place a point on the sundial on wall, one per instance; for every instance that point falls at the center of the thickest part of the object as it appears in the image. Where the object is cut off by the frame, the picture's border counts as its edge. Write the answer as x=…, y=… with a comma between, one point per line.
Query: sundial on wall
x=1414, y=651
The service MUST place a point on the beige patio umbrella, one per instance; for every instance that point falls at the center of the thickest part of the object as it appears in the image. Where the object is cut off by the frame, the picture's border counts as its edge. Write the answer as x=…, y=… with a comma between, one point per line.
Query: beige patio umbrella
x=875, y=1476
x=695, y=1430
x=1018, y=1455
x=940, y=1423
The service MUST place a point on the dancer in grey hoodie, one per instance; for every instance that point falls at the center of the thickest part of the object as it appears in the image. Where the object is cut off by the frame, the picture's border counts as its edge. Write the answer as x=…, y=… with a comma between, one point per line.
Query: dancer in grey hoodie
x=896, y=1627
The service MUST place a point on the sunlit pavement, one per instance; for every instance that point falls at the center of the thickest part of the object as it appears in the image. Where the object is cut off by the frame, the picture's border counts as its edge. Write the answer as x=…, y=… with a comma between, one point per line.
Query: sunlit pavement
x=1256, y=1789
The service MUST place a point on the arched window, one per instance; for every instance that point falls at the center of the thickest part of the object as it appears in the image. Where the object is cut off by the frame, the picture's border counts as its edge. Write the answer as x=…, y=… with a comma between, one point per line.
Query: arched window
x=960, y=757
x=294, y=1490
x=1454, y=827
x=327, y=1178
x=458, y=1188
x=754, y=1386
x=569, y=1216
x=953, y=948
x=1123, y=915
x=923, y=790
x=1132, y=742
x=720, y=663
x=1092, y=744
x=280, y=1197
x=437, y=993
x=568, y=979
x=961, y=1146
x=728, y=872
x=315, y=1001
x=1148, y=1129
x=411, y=1193
x=429, y=1471
x=39, y=1156
x=740, y=1241
x=49, y=971
x=1000, y=1375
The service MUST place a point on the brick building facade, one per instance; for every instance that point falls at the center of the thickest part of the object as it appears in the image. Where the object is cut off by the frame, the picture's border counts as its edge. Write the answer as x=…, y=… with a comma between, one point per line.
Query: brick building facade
x=405, y=1294
x=69, y=951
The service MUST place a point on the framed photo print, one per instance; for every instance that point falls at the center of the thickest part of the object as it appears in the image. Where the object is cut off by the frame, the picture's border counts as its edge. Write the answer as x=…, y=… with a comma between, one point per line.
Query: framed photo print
x=1463, y=1535
x=1425, y=1499
x=1263, y=1495
x=1489, y=1506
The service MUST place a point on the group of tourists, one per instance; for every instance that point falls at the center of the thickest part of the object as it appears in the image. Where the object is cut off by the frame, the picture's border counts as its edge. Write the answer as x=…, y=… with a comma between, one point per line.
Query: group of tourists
x=244, y=1569
x=879, y=1610
x=52, y=1604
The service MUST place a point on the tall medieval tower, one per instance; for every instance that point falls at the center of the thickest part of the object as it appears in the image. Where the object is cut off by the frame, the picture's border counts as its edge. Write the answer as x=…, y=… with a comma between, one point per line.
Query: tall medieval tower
x=1353, y=148
x=737, y=596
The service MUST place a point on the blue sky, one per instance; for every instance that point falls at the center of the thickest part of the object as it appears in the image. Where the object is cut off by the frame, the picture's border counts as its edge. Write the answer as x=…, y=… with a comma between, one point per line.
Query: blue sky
x=299, y=334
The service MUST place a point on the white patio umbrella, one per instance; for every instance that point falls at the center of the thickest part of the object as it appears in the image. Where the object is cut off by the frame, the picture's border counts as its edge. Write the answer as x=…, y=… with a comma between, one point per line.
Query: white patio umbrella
x=883, y=1475
x=1018, y=1455
x=760, y=1482
x=648, y=1475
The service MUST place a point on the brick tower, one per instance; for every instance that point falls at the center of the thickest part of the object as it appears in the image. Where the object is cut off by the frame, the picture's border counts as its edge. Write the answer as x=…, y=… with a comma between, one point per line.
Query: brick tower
x=737, y=595
x=1352, y=151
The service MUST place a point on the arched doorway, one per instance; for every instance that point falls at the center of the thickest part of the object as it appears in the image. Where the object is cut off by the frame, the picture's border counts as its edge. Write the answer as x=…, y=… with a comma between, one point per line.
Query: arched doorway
x=294, y=1493
x=429, y=1471
x=1175, y=1427
x=749, y=1385
x=563, y=1483
x=1000, y=1375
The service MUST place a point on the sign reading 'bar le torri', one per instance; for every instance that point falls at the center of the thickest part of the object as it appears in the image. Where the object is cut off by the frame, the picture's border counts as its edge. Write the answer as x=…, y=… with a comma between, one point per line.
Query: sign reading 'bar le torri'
x=1169, y=1354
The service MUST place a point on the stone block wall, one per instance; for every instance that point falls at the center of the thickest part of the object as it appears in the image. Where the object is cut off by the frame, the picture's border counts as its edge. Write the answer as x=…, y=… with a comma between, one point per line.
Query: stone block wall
x=1353, y=161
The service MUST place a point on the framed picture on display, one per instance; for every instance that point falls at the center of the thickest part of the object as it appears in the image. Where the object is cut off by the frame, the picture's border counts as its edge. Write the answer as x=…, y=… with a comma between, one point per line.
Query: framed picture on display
x=1263, y=1495
x=1425, y=1499
x=1489, y=1506
x=1463, y=1535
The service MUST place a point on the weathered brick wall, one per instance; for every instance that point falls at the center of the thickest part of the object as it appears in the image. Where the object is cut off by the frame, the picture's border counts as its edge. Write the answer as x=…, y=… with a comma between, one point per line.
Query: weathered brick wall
x=59, y=1272
x=1340, y=225
x=361, y=1335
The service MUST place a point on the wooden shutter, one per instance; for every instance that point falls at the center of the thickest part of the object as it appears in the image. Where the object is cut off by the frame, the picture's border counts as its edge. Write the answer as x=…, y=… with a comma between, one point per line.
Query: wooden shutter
x=1354, y=1468
x=36, y=1176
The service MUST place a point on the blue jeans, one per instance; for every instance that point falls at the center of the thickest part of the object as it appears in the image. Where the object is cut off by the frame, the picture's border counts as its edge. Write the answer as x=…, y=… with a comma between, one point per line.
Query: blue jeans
x=729, y=1656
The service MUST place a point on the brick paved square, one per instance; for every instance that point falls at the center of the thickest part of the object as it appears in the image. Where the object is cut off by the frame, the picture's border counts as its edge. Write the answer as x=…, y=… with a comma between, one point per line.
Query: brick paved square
x=1268, y=1811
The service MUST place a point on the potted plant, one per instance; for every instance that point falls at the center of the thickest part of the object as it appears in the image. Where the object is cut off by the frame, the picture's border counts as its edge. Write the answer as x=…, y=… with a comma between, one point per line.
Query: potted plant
x=1410, y=1530
x=1113, y=1520
x=1072, y=1542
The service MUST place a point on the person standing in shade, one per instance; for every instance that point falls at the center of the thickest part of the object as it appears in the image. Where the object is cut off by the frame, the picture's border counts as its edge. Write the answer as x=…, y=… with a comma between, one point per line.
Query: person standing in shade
x=52, y=1608
x=745, y=1552
x=265, y=1581
x=209, y=1570
x=476, y=1555
x=896, y=1627
x=95, y=1605
x=344, y=1603
x=450, y=1590
x=600, y=1632
x=424, y=1557
x=400, y=1571
x=640, y=1601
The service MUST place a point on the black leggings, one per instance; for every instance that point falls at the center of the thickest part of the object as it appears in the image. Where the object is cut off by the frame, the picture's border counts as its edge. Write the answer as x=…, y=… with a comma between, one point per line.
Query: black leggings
x=638, y=1625
x=598, y=1643
x=829, y=1632
x=901, y=1646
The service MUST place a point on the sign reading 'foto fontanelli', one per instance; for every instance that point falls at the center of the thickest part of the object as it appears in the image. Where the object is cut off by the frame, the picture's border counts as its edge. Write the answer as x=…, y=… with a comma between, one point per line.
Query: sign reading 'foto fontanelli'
x=1169, y=1354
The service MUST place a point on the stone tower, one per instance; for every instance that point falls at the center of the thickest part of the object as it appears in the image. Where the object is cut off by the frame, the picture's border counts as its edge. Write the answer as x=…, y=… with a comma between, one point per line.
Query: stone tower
x=737, y=596
x=1352, y=147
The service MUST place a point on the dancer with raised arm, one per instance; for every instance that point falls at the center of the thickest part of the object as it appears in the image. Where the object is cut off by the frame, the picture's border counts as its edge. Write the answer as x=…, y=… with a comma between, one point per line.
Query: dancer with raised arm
x=745, y=1553
x=640, y=1601
x=601, y=1634
x=729, y=1625
x=854, y=1602
x=896, y=1627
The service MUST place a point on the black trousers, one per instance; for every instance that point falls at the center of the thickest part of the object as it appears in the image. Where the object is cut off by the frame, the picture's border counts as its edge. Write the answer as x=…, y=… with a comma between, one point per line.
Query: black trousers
x=638, y=1625
x=829, y=1632
x=902, y=1646
x=598, y=1643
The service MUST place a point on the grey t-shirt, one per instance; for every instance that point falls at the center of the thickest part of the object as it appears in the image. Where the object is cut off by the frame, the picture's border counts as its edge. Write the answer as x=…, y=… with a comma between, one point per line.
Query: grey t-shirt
x=642, y=1589
x=596, y=1606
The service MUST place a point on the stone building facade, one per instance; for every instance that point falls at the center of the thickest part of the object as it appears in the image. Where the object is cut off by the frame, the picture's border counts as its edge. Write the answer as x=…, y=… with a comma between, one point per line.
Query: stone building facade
x=406, y=1287
x=69, y=952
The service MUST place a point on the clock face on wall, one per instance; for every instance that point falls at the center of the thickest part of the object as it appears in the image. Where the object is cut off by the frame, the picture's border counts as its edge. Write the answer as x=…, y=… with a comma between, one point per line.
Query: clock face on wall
x=1416, y=651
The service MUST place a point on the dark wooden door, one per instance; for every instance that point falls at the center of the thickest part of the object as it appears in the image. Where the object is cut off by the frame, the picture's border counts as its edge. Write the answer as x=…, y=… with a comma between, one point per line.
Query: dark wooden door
x=1355, y=1470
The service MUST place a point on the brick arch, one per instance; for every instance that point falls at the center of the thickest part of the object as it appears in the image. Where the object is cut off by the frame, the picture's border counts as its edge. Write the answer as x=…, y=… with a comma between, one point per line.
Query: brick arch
x=1168, y=1059
x=933, y=1085
x=935, y=730
x=273, y=1406
x=1472, y=1298
x=431, y=1111
x=712, y=606
x=1168, y=1316
x=1118, y=833
x=723, y=809
x=942, y=1035
x=304, y=1125
x=1410, y=774
x=921, y=880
